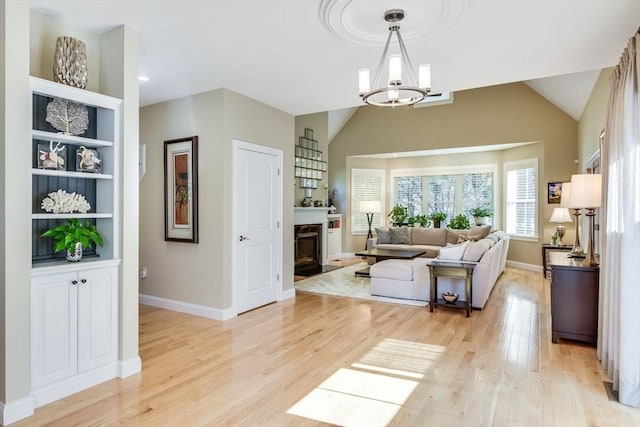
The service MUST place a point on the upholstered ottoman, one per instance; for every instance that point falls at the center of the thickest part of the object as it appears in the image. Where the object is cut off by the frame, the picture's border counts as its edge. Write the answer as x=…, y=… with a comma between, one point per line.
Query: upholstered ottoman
x=400, y=278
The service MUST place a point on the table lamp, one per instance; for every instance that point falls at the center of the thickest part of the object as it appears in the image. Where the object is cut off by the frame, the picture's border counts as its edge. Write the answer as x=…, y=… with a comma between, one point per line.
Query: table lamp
x=567, y=202
x=586, y=192
x=560, y=215
x=370, y=207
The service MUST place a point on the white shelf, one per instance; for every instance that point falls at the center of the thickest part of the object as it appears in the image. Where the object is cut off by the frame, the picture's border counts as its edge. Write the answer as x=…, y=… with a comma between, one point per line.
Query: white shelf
x=71, y=215
x=70, y=174
x=69, y=139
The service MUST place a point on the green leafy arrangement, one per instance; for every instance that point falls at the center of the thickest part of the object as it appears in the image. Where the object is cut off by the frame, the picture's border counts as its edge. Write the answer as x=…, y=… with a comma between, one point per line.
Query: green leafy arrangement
x=399, y=215
x=438, y=216
x=481, y=212
x=65, y=236
x=459, y=222
x=422, y=219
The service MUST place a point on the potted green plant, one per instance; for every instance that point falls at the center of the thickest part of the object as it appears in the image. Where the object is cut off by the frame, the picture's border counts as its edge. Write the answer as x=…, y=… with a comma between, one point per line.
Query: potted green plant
x=437, y=217
x=399, y=215
x=421, y=219
x=481, y=215
x=459, y=222
x=74, y=236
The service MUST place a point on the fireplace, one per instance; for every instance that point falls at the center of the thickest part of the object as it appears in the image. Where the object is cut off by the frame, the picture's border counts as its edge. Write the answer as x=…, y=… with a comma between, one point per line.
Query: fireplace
x=308, y=249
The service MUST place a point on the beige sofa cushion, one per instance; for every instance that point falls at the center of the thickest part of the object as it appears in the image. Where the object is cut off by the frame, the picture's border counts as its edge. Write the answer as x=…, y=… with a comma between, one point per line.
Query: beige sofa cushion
x=396, y=269
x=453, y=236
x=478, y=232
x=475, y=250
x=429, y=236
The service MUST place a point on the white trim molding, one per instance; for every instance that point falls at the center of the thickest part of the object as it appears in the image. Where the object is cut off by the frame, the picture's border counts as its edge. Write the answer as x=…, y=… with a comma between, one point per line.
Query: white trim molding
x=16, y=410
x=187, y=307
x=129, y=367
x=288, y=294
x=524, y=266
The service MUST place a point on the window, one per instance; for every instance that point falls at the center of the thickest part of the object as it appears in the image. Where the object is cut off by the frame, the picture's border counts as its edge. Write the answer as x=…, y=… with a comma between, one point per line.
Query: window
x=366, y=185
x=521, y=185
x=452, y=190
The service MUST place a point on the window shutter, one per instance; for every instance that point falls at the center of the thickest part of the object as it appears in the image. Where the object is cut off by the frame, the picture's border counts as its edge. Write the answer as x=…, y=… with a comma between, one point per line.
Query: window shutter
x=521, y=180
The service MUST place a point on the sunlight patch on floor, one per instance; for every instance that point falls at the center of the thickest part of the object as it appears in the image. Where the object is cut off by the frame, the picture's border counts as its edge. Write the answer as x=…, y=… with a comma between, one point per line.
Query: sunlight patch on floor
x=352, y=397
x=355, y=398
x=397, y=357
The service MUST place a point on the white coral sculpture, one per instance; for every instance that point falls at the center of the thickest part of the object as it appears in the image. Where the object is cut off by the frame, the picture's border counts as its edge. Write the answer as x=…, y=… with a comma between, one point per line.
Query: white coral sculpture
x=68, y=117
x=63, y=202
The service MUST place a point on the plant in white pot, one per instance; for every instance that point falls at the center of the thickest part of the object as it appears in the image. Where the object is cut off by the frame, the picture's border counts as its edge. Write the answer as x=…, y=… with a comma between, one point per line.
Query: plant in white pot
x=481, y=215
x=74, y=236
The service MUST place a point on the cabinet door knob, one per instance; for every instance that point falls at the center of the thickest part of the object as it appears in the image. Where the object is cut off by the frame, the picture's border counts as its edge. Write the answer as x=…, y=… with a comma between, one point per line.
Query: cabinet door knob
x=83, y=281
x=74, y=282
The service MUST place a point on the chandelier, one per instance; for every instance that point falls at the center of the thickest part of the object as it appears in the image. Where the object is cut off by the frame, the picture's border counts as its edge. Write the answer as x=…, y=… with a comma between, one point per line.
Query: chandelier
x=395, y=93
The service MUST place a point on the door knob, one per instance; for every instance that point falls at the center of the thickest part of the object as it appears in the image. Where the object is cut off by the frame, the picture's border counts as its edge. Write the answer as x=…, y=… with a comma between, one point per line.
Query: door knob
x=243, y=238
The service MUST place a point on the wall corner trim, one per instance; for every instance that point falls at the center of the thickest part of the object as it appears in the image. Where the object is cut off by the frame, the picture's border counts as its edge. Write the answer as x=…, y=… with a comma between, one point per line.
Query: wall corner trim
x=288, y=294
x=16, y=410
x=129, y=367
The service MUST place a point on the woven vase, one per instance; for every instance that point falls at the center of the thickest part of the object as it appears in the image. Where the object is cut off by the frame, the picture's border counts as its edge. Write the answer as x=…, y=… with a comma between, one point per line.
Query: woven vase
x=70, y=62
x=76, y=254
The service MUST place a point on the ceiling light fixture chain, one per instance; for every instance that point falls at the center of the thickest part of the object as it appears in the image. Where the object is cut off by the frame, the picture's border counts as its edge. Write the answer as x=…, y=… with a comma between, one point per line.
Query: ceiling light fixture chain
x=395, y=93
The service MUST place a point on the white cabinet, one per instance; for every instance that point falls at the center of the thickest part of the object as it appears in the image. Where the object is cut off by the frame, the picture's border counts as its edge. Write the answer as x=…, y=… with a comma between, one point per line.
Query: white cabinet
x=334, y=235
x=74, y=322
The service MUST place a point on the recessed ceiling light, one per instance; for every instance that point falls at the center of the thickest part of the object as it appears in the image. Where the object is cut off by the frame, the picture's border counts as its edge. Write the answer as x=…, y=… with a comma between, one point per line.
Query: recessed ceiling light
x=143, y=78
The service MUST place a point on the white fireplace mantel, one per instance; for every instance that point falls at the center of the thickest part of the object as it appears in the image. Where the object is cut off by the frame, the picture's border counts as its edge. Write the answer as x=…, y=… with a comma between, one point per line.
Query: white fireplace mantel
x=314, y=216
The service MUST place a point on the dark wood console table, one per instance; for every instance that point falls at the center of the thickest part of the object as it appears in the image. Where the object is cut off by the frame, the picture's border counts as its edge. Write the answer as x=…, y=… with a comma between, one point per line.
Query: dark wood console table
x=546, y=248
x=574, y=299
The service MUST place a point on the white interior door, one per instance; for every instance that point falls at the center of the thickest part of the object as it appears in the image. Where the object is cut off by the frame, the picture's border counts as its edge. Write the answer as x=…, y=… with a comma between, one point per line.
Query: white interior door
x=257, y=214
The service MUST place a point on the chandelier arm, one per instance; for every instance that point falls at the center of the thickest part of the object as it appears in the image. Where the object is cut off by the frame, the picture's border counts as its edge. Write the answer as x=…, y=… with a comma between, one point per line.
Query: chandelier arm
x=407, y=60
x=376, y=79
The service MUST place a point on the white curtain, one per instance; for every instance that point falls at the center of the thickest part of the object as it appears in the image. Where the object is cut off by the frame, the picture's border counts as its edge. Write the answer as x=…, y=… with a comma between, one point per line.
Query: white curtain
x=619, y=337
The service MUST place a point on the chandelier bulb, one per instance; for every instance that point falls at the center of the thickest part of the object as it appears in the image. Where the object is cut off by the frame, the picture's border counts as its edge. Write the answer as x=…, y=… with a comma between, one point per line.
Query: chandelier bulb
x=395, y=70
x=364, y=83
x=424, y=76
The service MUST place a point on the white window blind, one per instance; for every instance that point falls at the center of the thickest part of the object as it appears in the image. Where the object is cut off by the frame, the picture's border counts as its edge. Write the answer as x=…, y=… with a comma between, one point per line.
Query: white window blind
x=366, y=185
x=521, y=184
x=453, y=192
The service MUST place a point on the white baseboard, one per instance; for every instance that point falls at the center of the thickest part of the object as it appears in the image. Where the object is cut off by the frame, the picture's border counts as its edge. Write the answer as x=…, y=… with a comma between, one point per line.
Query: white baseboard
x=60, y=389
x=524, y=266
x=16, y=410
x=288, y=294
x=187, y=307
x=129, y=367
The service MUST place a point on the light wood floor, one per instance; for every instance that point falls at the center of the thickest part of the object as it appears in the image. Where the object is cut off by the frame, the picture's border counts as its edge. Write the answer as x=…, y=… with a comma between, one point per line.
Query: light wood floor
x=356, y=362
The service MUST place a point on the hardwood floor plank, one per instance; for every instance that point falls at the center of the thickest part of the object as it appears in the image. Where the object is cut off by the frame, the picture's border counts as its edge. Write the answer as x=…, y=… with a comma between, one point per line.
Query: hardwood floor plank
x=496, y=368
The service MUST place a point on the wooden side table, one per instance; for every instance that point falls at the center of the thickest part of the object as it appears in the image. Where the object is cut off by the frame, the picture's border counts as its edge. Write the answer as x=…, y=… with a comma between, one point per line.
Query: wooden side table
x=456, y=270
x=546, y=248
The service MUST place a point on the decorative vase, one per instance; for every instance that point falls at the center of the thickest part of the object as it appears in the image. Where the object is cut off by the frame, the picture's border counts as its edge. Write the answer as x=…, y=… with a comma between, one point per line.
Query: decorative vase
x=481, y=220
x=76, y=254
x=70, y=62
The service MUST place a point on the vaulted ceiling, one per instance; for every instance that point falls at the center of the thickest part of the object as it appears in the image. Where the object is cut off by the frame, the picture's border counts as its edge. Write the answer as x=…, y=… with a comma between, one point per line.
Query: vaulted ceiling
x=302, y=56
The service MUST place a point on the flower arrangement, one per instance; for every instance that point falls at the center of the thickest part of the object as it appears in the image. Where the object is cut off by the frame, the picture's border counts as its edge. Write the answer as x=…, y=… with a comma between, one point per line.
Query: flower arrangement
x=63, y=202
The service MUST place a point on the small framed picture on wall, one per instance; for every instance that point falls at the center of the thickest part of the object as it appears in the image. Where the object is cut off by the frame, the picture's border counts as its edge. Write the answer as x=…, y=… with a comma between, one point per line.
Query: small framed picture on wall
x=554, y=192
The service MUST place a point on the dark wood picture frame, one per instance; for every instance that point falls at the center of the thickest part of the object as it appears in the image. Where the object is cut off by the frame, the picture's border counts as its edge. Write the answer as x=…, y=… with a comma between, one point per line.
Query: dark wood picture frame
x=554, y=192
x=181, y=190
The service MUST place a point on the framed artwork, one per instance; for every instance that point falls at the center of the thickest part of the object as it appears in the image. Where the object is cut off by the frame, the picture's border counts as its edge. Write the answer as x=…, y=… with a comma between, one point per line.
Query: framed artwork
x=554, y=192
x=181, y=190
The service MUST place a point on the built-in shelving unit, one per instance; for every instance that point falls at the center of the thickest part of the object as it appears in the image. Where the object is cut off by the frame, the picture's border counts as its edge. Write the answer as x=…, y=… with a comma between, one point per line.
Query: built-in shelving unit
x=99, y=189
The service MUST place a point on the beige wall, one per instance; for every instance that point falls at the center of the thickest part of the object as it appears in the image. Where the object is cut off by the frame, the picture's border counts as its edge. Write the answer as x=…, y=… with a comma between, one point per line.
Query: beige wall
x=44, y=32
x=201, y=273
x=492, y=115
x=593, y=118
x=319, y=123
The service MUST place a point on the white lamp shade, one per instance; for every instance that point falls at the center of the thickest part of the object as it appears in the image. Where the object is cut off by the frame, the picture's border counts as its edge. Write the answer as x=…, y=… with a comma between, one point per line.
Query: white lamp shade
x=370, y=206
x=560, y=215
x=424, y=76
x=364, y=83
x=586, y=190
x=565, y=196
x=395, y=68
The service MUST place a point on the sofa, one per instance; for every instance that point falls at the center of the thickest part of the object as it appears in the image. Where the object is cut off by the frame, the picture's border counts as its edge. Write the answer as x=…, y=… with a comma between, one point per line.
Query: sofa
x=409, y=279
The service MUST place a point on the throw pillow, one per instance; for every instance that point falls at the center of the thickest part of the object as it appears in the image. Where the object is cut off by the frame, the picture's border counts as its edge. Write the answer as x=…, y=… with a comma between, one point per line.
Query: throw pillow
x=479, y=231
x=429, y=236
x=466, y=238
x=476, y=250
x=383, y=234
x=400, y=235
x=453, y=252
